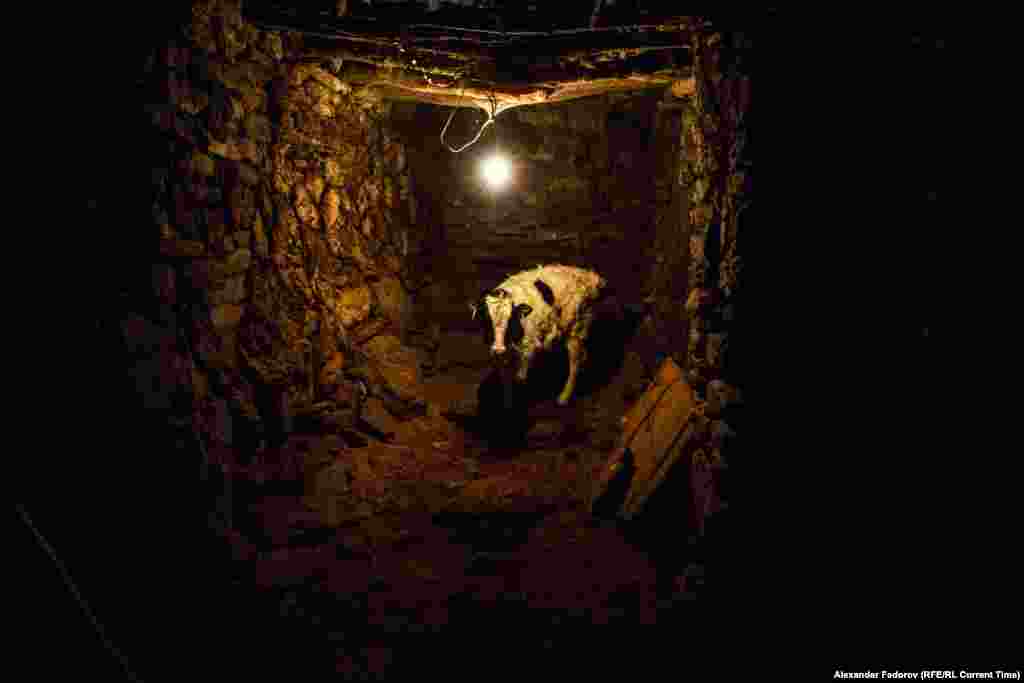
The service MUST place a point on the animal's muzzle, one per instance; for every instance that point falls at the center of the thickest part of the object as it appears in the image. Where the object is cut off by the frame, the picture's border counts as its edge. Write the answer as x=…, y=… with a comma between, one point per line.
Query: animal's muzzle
x=503, y=359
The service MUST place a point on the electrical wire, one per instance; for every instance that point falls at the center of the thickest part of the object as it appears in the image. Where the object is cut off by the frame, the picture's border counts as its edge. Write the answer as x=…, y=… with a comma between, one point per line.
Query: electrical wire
x=266, y=17
x=634, y=28
x=494, y=113
x=294, y=136
x=491, y=115
x=48, y=549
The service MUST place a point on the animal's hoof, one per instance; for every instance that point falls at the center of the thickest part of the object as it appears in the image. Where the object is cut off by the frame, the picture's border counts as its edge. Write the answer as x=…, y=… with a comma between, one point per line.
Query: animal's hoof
x=563, y=400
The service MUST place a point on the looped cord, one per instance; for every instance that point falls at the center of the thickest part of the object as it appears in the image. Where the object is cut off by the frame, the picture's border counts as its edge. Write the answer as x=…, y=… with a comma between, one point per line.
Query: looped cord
x=489, y=121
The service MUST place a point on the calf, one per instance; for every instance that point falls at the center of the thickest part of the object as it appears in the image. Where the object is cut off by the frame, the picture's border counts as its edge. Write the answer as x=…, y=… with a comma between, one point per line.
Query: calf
x=534, y=309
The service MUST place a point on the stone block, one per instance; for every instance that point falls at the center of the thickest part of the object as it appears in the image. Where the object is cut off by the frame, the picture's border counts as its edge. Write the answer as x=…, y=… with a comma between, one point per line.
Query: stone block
x=393, y=301
x=225, y=316
x=375, y=413
x=249, y=174
x=185, y=249
x=230, y=291
x=330, y=373
x=203, y=164
x=259, y=237
x=257, y=127
x=354, y=305
x=239, y=261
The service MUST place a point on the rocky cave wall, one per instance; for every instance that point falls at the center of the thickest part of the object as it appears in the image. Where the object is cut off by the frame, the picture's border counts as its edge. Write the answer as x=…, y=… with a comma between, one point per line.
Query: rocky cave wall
x=592, y=179
x=279, y=208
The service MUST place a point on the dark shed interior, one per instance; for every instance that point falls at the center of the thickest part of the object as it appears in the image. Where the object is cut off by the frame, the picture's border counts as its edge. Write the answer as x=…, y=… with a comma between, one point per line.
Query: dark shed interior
x=312, y=459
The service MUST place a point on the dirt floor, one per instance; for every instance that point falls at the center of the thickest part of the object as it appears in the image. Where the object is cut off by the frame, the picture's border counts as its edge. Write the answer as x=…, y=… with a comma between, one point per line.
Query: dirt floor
x=468, y=533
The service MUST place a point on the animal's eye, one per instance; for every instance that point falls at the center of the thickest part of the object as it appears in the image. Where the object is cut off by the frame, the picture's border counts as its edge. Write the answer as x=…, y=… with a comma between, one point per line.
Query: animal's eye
x=525, y=310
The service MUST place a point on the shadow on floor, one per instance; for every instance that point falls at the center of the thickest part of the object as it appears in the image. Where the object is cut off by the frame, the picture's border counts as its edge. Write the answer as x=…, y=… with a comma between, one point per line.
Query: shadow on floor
x=504, y=411
x=491, y=532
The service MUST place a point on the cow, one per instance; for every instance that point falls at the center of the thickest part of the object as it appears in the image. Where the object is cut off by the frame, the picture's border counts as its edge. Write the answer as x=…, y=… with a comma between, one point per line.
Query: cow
x=537, y=308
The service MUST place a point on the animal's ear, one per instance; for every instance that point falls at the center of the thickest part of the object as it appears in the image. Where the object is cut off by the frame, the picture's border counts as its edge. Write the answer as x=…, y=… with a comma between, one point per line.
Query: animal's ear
x=524, y=309
x=545, y=292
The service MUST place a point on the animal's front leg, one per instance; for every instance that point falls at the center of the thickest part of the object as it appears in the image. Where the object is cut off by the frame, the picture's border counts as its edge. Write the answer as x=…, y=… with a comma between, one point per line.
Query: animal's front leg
x=575, y=348
x=524, y=365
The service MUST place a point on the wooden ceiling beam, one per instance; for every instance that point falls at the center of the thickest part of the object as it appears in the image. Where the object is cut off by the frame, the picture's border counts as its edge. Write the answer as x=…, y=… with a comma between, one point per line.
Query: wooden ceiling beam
x=456, y=67
x=508, y=97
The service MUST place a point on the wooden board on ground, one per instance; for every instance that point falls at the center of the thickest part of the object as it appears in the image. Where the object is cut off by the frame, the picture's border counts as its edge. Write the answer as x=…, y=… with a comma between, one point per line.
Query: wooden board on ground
x=654, y=431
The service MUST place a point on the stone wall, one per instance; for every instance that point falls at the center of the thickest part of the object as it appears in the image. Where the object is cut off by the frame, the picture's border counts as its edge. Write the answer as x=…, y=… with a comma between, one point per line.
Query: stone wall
x=716, y=164
x=591, y=178
x=278, y=210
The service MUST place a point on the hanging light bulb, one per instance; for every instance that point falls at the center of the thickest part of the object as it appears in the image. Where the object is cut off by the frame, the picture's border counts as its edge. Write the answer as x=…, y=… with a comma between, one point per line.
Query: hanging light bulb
x=495, y=170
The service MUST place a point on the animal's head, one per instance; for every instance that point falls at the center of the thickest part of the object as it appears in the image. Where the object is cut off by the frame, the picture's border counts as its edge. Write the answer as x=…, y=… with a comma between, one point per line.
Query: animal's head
x=503, y=318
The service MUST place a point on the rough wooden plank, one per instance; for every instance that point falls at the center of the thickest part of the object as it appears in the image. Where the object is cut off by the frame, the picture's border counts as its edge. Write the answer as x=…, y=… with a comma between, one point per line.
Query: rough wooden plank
x=653, y=429
x=509, y=96
x=639, y=496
